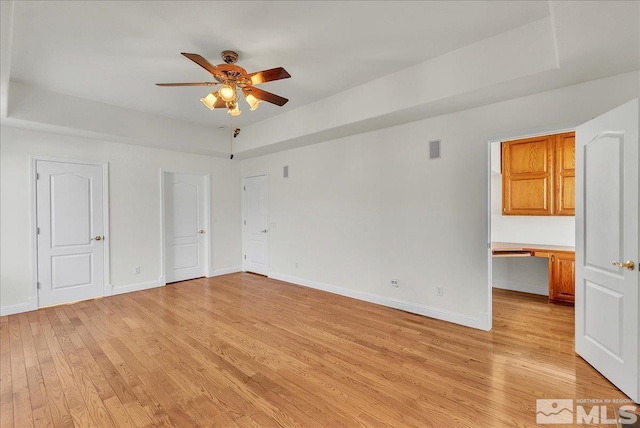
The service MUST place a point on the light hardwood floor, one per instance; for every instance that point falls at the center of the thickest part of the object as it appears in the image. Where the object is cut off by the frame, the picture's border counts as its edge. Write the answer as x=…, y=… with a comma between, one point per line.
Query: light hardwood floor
x=243, y=350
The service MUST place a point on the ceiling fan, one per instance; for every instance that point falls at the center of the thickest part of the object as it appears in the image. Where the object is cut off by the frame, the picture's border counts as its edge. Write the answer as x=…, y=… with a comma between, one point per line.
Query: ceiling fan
x=235, y=79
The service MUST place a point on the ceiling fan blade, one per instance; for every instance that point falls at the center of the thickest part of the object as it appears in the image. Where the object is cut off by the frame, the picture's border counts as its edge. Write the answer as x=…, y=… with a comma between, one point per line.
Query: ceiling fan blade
x=189, y=84
x=268, y=75
x=198, y=59
x=266, y=96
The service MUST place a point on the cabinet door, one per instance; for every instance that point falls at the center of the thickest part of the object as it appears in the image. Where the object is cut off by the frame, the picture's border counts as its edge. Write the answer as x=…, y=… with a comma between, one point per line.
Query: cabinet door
x=527, y=176
x=562, y=278
x=565, y=174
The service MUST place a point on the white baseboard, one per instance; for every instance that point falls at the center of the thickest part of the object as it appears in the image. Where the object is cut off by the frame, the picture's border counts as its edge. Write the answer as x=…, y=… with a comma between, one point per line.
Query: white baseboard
x=29, y=305
x=428, y=311
x=135, y=287
x=441, y=314
x=225, y=271
x=108, y=290
x=162, y=280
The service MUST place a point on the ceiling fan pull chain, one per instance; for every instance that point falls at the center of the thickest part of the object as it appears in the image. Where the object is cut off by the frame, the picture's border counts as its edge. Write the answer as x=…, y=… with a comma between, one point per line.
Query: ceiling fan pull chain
x=231, y=136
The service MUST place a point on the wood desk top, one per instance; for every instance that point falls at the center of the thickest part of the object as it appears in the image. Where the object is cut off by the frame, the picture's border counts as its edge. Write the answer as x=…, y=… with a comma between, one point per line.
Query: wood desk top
x=516, y=246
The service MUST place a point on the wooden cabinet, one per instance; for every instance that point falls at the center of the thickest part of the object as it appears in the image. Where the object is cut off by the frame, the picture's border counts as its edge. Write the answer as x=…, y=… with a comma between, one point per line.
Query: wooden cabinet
x=562, y=273
x=526, y=176
x=565, y=174
x=538, y=175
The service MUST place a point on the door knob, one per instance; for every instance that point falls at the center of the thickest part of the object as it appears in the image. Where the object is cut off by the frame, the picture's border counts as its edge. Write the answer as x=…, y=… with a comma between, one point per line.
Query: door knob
x=628, y=264
x=201, y=232
x=97, y=238
x=264, y=231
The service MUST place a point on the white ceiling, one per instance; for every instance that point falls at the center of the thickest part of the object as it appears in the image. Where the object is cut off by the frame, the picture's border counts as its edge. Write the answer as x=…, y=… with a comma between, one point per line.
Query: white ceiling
x=114, y=52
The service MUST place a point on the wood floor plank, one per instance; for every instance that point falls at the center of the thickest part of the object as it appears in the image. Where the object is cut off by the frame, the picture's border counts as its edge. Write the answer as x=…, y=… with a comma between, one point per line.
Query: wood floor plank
x=6, y=384
x=87, y=354
x=22, y=411
x=242, y=350
x=73, y=401
x=109, y=371
x=118, y=413
x=40, y=406
x=98, y=414
x=256, y=420
x=61, y=415
x=56, y=404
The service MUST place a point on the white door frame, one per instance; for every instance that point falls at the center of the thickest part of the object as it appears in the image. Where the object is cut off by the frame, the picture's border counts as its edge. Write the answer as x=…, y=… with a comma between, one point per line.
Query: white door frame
x=546, y=131
x=33, y=222
x=244, y=231
x=207, y=221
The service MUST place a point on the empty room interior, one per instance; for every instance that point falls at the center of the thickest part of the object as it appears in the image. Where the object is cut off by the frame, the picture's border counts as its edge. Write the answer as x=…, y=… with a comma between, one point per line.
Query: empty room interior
x=301, y=214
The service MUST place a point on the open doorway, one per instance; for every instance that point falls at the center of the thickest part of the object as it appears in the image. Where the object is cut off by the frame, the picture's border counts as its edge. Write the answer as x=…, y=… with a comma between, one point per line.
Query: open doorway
x=606, y=234
x=532, y=219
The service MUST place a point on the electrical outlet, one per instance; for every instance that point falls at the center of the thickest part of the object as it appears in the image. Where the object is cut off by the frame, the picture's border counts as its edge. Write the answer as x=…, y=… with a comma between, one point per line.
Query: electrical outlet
x=297, y=265
x=440, y=291
x=395, y=283
x=136, y=270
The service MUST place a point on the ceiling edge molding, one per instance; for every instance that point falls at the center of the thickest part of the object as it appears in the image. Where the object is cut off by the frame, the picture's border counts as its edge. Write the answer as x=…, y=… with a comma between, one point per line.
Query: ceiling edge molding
x=77, y=133
x=6, y=36
x=610, y=91
x=40, y=109
x=554, y=32
x=487, y=63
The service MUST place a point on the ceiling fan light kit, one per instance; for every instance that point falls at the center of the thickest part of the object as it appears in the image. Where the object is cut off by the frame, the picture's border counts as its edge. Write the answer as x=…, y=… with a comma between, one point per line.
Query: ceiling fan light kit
x=227, y=92
x=210, y=100
x=234, y=110
x=252, y=101
x=235, y=79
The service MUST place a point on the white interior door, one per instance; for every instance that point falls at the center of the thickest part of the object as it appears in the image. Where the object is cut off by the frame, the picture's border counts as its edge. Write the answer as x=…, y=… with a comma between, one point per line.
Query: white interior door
x=256, y=225
x=607, y=232
x=69, y=207
x=185, y=232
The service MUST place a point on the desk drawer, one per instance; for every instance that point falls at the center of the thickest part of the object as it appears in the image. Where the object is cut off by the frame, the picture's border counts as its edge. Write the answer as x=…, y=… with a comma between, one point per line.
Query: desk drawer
x=545, y=254
x=511, y=253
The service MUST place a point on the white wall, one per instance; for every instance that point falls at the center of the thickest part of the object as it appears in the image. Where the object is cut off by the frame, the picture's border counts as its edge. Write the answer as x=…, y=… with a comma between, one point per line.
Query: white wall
x=135, y=208
x=358, y=211
x=354, y=212
x=526, y=274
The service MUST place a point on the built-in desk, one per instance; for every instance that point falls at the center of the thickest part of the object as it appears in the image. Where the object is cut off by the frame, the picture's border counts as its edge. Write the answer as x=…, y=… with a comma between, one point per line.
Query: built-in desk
x=561, y=266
